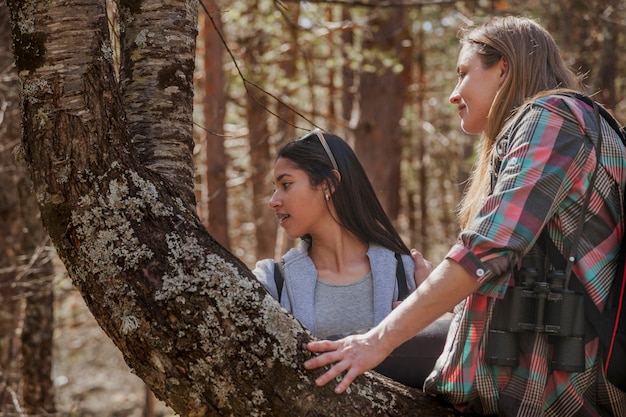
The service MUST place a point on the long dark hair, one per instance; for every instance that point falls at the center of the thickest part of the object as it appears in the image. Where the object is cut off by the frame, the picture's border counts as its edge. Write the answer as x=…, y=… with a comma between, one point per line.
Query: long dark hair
x=356, y=204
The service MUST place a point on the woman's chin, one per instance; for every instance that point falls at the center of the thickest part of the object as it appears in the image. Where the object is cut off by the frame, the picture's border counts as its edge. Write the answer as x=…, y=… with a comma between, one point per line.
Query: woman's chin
x=290, y=235
x=471, y=131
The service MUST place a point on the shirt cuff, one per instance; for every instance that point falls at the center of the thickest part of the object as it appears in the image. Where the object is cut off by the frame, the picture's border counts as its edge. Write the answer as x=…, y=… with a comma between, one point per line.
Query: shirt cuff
x=492, y=284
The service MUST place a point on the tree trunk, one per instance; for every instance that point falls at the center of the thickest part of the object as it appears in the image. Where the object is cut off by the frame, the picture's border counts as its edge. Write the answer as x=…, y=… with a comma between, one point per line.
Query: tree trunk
x=25, y=267
x=189, y=317
x=214, y=109
x=37, y=335
x=158, y=64
x=610, y=31
x=347, y=76
x=378, y=133
x=11, y=301
x=285, y=128
x=260, y=160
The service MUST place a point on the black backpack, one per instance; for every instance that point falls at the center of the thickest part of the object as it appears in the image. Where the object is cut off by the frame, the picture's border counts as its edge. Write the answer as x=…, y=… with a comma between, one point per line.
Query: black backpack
x=403, y=290
x=610, y=325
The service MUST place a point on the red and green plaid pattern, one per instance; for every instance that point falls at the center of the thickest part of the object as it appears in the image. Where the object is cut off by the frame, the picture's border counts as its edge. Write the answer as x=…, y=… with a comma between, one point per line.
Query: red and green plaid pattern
x=541, y=168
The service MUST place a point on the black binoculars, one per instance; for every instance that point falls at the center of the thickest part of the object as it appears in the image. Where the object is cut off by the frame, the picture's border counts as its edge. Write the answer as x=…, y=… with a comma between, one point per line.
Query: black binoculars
x=542, y=305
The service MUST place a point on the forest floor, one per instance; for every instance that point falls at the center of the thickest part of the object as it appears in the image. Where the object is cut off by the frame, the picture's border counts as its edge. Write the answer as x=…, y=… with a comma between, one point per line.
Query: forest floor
x=90, y=376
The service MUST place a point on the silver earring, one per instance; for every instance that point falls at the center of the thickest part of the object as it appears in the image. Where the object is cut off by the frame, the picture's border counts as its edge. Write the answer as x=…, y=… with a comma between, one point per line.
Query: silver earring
x=327, y=197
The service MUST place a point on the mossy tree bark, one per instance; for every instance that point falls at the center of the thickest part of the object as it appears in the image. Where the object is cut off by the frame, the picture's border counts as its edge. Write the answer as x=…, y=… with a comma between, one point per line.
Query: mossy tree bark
x=188, y=316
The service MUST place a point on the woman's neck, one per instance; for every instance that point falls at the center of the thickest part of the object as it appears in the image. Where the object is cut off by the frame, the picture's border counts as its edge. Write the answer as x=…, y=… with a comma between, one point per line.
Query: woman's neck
x=340, y=259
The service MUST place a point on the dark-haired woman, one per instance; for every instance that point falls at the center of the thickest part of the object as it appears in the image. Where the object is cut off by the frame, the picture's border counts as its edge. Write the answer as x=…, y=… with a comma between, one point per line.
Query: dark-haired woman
x=343, y=277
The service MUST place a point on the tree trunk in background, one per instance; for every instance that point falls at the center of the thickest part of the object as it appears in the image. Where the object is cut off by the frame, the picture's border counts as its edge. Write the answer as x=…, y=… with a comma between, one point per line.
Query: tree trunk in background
x=285, y=128
x=418, y=155
x=214, y=109
x=37, y=331
x=592, y=32
x=10, y=300
x=347, y=76
x=26, y=296
x=378, y=132
x=189, y=317
x=610, y=31
x=261, y=163
x=10, y=295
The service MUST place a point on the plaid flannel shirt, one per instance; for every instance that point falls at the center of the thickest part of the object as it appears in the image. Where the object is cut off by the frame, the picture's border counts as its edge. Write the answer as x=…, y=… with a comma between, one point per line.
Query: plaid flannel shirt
x=540, y=174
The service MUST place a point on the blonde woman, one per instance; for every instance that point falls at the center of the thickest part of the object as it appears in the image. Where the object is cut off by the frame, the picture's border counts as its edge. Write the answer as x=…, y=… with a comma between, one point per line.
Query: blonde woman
x=537, y=155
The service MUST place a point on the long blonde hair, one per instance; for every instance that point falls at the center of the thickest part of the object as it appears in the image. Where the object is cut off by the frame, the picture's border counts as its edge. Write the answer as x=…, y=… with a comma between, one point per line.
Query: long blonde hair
x=534, y=65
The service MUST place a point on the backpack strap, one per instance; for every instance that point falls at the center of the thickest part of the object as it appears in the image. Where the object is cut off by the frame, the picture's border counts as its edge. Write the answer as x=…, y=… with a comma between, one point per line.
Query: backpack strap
x=403, y=290
x=592, y=182
x=608, y=325
x=621, y=130
x=279, y=279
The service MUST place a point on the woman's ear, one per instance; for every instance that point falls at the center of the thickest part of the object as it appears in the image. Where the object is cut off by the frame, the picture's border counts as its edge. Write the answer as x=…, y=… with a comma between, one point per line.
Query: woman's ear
x=337, y=176
x=328, y=186
x=504, y=68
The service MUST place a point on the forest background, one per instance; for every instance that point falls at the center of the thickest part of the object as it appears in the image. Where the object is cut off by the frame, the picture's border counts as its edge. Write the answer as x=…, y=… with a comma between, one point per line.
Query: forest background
x=378, y=74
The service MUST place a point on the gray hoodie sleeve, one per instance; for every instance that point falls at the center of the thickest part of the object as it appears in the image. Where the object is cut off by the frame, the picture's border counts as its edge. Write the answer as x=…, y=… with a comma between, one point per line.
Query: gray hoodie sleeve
x=264, y=272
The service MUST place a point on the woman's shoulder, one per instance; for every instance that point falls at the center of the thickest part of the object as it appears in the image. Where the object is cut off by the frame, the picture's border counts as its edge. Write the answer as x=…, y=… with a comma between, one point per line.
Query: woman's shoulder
x=263, y=269
x=567, y=104
x=384, y=262
x=376, y=249
x=378, y=253
x=560, y=109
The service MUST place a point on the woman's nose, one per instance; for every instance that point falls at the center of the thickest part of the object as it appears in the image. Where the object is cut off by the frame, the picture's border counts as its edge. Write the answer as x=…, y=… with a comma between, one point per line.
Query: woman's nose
x=455, y=98
x=274, y=201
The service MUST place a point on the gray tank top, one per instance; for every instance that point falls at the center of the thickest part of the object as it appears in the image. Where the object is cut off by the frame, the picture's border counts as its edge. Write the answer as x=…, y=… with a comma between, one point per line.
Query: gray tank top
x=341, y=309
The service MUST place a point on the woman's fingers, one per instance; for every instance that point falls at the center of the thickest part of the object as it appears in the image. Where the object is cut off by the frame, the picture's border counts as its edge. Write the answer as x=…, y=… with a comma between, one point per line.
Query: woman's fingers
x=423, y=268
x=340, y=366
x=352, y=355
x=420, y=262
x=323, y=345
x=334, y=371
x=332, y=355
x=347, y=380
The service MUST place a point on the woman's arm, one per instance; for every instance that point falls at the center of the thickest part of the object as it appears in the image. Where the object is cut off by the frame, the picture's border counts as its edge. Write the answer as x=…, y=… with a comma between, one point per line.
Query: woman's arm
x=264, y=273
x=448, y=284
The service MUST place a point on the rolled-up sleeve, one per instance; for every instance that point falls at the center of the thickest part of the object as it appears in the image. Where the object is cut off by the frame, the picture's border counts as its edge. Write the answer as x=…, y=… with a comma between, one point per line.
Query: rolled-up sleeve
x=493, y=271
